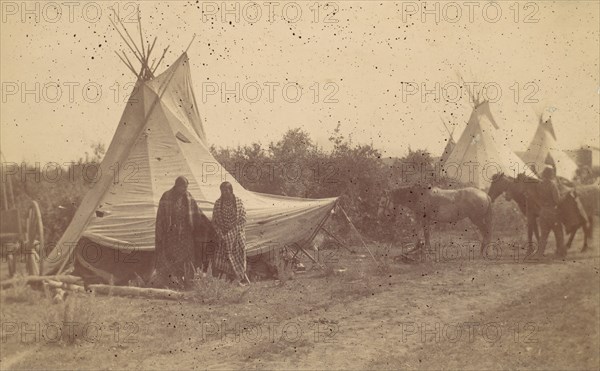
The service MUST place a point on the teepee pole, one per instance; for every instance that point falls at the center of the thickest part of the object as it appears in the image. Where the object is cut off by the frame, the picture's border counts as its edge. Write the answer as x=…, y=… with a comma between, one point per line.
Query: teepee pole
x=135, y=50
x=120, y=34
x=126, y=64
x=160, y=60
x=446, y=126
x=126, y=43
x=150, y=48
x=130, y=38
x=131, y=64
x=190, y=44
x=141, y=56
x=140, y=29
x=152, y=65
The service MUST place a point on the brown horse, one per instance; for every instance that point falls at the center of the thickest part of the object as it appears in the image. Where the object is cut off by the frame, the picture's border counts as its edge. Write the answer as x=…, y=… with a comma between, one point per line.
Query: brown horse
x=432, y=204
x=577, y=207
x=505, y=184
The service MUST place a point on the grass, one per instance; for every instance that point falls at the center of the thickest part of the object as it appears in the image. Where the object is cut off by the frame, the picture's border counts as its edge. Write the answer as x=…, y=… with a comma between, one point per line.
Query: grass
x=20, y=292
x=211, y=290
x=77, y=317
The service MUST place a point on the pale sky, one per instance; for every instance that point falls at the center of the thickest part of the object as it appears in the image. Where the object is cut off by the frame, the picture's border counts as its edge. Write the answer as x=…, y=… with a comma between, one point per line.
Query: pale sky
x=365, y=58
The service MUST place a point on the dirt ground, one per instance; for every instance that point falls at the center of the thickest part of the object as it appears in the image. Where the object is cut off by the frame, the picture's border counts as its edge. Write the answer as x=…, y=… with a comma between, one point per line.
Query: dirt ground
x=450, y=310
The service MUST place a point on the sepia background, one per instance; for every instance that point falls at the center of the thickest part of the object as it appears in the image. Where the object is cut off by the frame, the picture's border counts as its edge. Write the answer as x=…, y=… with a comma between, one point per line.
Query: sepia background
x=364, y=50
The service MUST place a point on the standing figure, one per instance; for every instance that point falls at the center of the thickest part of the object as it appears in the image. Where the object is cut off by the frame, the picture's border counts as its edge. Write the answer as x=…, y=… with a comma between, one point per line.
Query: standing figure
x=229, y=220
x=549, y=199
x=179, y=227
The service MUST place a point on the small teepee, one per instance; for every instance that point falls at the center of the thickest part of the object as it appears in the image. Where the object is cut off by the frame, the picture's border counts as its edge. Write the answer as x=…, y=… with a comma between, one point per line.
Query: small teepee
x=544, y=149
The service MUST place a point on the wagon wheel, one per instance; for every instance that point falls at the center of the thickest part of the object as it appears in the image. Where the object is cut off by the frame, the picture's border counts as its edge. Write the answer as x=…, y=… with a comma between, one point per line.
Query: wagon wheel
x=34, y=243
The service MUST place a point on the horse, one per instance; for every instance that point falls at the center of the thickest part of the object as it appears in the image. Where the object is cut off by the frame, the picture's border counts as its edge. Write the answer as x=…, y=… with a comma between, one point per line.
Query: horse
x=505, y=184
x=432, y=204
x=577, y=207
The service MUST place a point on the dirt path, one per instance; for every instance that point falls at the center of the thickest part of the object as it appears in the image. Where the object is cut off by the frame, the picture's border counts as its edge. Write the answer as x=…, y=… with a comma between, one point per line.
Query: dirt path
x=510, y=316
x=472, y=314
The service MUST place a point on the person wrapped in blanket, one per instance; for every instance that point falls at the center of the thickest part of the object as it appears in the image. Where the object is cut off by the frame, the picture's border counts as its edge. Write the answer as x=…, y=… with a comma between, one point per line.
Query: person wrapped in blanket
x=181, y=230
x=229, y=221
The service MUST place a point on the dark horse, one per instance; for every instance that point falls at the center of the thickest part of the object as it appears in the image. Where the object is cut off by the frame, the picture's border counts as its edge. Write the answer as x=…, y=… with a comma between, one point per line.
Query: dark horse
x=576, y=208
x=432, y=204
x=572, y=214
x=505, y=184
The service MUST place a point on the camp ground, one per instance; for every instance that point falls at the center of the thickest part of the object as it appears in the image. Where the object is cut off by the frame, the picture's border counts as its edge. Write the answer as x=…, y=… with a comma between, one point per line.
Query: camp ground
x=381, y=230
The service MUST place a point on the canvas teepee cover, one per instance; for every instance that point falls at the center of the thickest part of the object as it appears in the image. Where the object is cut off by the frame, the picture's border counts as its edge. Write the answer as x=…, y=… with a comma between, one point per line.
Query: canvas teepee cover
x=447, y=150
x=544, y=149
x=481, y=151
x=159, y=137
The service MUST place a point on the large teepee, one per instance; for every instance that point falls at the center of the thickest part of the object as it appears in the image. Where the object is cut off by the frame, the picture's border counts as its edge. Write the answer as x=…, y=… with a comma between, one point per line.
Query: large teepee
x=544, y=149
x=159, y=137
x=481, y=151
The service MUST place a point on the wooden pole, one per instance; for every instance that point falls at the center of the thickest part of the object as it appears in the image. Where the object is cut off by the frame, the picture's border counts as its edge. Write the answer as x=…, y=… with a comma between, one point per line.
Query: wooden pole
x=124, y=39
x=161, y=58
x=11, y=195
x=152, y=66
x=141, y=56
x=131, y=64
x=137, y=291
x=63, y=285
x=190, y=44
x=32, y=279
x=337, y=240
x=4, y=190
x=140, y=29
x=359, y=236
x=151, y=47
x=126, y=64
x=4, y=197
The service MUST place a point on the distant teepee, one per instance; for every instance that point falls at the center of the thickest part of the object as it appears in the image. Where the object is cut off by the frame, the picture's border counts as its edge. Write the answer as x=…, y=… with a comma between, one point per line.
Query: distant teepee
x=481, y=151
x=544, y=149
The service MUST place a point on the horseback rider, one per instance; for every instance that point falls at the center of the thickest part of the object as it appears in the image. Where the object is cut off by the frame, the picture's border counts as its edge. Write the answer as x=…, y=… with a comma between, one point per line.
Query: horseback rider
x=549, y=198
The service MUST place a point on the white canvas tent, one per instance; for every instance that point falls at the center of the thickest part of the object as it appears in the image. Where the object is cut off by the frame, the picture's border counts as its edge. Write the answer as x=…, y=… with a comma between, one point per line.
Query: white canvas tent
x=481, y=151
x=544, y=149
x=159, y=137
